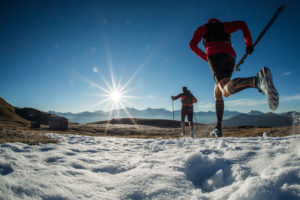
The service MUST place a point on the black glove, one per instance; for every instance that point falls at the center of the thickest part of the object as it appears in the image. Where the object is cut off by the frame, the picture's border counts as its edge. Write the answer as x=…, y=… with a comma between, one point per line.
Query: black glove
x=249, y=49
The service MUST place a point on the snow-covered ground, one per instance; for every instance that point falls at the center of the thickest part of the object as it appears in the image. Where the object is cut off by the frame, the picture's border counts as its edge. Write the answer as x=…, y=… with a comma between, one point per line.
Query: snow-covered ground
x=83, y=167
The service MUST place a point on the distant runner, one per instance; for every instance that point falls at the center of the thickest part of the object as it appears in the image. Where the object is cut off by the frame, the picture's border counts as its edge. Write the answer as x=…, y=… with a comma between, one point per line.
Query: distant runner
x=187, y=100
x=221, y=58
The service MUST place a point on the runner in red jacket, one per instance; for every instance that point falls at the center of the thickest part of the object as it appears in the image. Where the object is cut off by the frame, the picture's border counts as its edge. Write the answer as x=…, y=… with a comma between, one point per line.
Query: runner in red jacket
x=221, y=58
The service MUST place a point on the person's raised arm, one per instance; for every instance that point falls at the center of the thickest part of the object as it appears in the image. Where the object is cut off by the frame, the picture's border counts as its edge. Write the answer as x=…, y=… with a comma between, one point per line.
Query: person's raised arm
x=198, y=34
x=234, y=26
x=176, y=97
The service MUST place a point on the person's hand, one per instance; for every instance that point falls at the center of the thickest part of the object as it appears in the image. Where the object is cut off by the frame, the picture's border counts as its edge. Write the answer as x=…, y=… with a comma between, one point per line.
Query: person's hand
x=249, y=49
x=172, y=97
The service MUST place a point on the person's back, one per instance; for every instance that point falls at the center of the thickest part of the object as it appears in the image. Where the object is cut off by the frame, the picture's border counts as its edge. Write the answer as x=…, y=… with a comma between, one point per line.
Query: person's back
x=216, y=37
x=187, y=100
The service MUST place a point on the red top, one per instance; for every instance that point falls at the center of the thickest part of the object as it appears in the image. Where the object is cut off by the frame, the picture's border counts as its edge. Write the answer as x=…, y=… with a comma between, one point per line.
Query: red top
x=219, y=46
x=187, y=104
x=183, y=97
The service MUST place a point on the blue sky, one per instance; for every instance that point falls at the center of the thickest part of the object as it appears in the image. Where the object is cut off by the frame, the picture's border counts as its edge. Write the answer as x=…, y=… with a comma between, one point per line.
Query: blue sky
x=56, y=55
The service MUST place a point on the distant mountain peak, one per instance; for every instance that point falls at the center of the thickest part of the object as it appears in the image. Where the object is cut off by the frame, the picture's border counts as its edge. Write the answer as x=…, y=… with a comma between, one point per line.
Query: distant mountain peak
x=255, y=112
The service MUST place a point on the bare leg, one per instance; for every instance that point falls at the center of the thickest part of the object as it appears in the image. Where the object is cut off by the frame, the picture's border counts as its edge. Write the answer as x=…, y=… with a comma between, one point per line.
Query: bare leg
x=192, y=134
x=220, y=91
x=183, y=127
x=238, y=84
x=219, y=104
x=191, y=124
x=229, y=87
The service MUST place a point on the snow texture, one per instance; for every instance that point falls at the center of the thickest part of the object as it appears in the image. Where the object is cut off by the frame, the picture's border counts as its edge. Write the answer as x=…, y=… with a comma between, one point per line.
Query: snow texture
x=82, y=167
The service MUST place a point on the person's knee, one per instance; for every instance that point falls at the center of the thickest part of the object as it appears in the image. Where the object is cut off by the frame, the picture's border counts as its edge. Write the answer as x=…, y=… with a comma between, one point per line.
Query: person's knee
x=221, y=89
x=226, y=94
x=218, y=95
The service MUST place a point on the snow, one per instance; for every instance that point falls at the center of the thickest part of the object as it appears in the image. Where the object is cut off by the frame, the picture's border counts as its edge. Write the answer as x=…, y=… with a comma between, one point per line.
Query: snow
x=82, y=167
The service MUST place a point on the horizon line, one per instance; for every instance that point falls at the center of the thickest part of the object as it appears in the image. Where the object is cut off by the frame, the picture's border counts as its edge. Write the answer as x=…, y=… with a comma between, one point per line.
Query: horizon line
x=162, y=109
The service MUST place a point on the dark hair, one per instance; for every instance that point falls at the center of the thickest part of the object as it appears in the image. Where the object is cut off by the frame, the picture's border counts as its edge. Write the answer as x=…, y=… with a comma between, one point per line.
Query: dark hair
x=213, y=20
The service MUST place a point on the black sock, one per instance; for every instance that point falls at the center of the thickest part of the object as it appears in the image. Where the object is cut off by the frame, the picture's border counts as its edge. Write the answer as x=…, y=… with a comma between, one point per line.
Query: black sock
x=219, y=111
x=239, y=84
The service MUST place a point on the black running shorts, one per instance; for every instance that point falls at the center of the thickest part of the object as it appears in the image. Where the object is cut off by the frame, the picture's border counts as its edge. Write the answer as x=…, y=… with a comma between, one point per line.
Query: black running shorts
x=187, y=111
x=221, y=65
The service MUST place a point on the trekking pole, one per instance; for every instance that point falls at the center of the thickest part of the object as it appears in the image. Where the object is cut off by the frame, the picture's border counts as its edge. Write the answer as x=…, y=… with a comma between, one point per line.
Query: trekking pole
x=196, y=121
x=279, y=9
x=173, y=108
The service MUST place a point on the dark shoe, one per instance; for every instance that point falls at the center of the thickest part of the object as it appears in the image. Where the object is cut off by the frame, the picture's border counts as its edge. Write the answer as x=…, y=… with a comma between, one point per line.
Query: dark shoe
x=217, y=132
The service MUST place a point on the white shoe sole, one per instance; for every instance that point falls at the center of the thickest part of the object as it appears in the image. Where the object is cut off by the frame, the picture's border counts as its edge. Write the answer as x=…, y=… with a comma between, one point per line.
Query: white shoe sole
x=272, y=94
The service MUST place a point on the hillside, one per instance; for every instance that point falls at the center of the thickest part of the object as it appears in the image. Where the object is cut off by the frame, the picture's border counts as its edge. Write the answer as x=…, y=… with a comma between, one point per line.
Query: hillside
x=15, y=124
x=23, y=116
x=8, y=114
x=32, y=114
x=162, y=123
x=265, y=119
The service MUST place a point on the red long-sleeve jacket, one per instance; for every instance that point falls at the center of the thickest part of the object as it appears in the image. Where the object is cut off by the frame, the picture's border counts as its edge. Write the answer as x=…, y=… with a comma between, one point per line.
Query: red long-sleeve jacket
x=187, y=99
x=219, y=46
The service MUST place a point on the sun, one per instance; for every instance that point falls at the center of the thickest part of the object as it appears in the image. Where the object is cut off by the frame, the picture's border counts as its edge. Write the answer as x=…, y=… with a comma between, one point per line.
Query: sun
x=116, y=96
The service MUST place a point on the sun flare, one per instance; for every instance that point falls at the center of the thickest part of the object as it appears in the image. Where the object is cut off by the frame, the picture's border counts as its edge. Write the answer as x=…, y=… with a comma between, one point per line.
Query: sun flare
x=116, y=96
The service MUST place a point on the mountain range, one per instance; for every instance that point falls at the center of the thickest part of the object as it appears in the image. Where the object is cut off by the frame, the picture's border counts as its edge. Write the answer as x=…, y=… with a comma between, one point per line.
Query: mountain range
x=231, y=118
x=149, y=113
x=9, y=113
